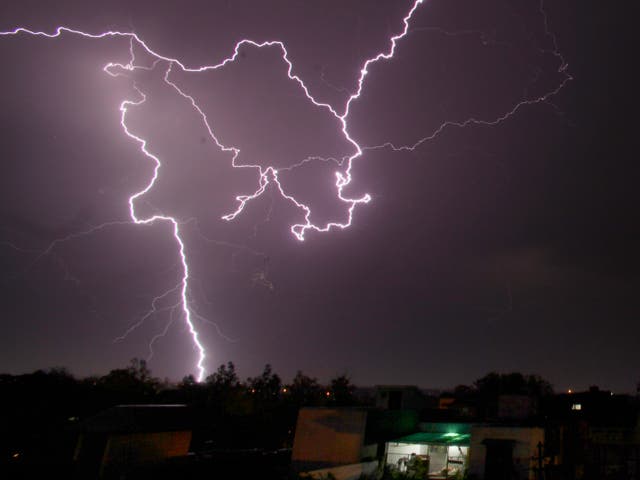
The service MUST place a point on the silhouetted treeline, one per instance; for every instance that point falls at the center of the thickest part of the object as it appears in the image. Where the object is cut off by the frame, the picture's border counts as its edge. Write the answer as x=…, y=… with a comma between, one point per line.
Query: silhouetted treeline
x=485, y=392
x=259, y=412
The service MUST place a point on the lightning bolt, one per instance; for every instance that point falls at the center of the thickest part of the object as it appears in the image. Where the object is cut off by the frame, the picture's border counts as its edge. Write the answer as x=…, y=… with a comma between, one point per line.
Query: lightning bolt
x=124, y=107
x=266, y=175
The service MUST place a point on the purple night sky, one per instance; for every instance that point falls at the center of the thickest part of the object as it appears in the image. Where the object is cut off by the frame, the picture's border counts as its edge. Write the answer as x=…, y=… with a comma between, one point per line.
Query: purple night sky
x=505, y=241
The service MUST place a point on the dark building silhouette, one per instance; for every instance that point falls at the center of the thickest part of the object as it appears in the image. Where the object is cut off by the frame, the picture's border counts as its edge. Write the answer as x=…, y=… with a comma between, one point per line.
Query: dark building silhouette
x=126, y=437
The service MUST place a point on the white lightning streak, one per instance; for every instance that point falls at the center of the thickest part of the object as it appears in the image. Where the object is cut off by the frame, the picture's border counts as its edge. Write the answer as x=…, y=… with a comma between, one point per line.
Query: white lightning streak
x=124, y=106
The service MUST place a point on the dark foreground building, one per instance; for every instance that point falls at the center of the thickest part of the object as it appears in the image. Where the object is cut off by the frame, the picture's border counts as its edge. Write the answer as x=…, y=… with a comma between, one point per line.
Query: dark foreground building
x=127, y=437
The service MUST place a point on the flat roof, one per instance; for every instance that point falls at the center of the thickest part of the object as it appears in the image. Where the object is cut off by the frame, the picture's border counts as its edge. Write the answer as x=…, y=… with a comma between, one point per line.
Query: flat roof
x=430, y=438
x=141, y=418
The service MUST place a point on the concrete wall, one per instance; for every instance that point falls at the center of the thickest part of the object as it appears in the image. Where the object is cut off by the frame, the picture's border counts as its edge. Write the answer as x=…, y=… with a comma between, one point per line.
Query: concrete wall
x=525, y=447
x=396, y=451
x=345, y=472
x=130, y=449
x=329, y=436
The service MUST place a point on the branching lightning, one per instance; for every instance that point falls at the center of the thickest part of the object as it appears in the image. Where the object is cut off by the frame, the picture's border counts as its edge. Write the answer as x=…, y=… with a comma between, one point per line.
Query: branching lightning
x=266, y=175
x=71, y=236
x=152, y=311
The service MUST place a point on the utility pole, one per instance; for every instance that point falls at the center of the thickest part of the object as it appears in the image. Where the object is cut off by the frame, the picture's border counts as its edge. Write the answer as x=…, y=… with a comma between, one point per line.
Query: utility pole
x=539, y=458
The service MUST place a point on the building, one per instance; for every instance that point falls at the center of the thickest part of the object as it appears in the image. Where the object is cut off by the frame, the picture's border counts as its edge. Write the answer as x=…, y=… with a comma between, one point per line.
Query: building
x=437, y=450
x=505, y=452
x=485, y=451
x=593, y=435
x=126, y=437
x=346, y=441
x=588, y=435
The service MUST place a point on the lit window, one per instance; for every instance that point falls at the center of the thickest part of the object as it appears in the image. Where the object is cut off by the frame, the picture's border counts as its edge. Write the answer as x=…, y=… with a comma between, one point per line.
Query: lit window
x=576, y=406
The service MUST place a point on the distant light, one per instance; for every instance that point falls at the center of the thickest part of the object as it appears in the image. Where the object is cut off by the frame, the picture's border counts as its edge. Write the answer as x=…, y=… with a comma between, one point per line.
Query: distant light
x=569, y=391
x=451, y=434
x=328, y=394
x=284, y=390
x=576, y=406
x=15, y=455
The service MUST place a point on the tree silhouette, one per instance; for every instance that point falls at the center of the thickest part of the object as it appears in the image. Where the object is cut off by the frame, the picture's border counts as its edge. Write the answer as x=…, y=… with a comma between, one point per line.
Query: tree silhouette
x=224, y=379
x=304, y=391
x=130, y=385
x=265, y=387
x=341, y=390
